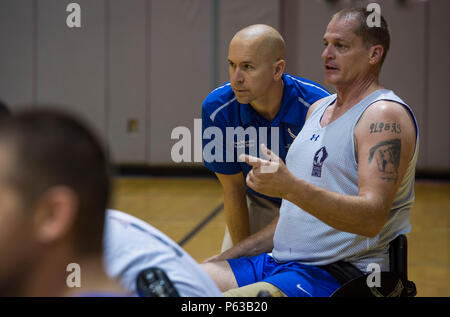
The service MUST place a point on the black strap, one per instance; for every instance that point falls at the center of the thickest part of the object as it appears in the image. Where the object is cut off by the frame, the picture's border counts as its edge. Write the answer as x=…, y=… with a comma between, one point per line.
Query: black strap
x=342, y=271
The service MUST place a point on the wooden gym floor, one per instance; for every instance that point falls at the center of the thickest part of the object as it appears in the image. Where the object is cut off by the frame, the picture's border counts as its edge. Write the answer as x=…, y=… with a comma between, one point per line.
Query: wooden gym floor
x=179, y=206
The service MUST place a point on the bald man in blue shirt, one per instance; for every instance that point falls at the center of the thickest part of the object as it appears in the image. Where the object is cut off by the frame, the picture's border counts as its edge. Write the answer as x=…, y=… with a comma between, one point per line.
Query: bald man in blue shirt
x=260, y=105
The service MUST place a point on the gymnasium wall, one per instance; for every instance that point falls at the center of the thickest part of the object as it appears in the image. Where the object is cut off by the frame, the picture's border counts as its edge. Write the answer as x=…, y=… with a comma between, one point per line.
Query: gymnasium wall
x=137, y=69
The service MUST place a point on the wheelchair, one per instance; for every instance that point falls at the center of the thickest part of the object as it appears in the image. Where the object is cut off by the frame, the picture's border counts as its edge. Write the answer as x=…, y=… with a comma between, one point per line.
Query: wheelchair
x=394, y=283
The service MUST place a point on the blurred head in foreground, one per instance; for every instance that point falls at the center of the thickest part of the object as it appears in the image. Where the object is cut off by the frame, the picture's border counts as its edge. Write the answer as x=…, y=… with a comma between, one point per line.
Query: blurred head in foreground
x=4, y=110
x=54, y=189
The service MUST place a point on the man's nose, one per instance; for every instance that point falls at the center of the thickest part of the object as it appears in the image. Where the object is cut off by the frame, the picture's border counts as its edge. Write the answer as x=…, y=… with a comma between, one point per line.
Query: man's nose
x=327, y=53
x=237, y=76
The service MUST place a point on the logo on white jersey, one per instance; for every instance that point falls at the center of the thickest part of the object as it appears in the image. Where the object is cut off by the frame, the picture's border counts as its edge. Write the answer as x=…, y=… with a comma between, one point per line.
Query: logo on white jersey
x=319, y=158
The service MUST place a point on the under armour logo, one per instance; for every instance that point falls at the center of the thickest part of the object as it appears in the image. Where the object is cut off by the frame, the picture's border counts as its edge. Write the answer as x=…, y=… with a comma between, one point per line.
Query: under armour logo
x=314, y=137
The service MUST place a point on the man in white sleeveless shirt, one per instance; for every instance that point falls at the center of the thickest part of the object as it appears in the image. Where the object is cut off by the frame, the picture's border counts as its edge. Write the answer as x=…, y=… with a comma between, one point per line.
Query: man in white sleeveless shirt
x=348, y=183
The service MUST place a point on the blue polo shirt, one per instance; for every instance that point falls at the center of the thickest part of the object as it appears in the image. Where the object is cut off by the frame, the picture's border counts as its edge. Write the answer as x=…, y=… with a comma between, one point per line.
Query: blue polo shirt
x=222, y=115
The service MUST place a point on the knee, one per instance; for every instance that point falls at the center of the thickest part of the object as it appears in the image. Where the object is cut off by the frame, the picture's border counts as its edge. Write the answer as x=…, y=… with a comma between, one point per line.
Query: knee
x=253, y=290
x=221, y=273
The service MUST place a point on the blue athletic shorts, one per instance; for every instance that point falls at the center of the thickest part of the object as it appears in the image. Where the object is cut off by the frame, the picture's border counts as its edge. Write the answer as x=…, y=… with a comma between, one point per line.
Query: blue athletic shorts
x=294, y=279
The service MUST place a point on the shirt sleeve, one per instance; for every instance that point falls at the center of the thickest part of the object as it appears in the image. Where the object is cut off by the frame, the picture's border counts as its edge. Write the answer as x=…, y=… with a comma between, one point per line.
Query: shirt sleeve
x=218, y=153
x=130, y=246
x=314, y=91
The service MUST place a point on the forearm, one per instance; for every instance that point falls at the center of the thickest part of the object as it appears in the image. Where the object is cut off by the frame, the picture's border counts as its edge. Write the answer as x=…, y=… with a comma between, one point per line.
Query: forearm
x=258, y=243
x=361, y=214
x=236, y=216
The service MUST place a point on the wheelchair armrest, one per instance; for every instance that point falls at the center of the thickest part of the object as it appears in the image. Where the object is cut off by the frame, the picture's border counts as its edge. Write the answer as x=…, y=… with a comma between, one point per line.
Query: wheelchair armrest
x=398, y=257
x=390, y=286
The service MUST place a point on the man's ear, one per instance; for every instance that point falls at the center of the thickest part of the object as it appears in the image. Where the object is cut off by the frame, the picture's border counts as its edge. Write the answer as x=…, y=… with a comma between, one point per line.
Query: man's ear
x=376, y=53
x=55, y=214
x=280, y=66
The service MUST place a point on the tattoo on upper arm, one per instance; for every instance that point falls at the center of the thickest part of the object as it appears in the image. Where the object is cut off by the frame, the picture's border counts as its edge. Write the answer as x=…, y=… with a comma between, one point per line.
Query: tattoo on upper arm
x=387, y=156
x=385, y=126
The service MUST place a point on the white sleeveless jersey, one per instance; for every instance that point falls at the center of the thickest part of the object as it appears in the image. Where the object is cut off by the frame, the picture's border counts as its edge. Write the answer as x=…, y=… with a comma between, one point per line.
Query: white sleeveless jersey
x=325, y=156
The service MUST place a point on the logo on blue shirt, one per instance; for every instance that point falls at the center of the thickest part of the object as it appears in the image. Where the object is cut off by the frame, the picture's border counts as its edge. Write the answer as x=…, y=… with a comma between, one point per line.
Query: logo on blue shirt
x=291, y=133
